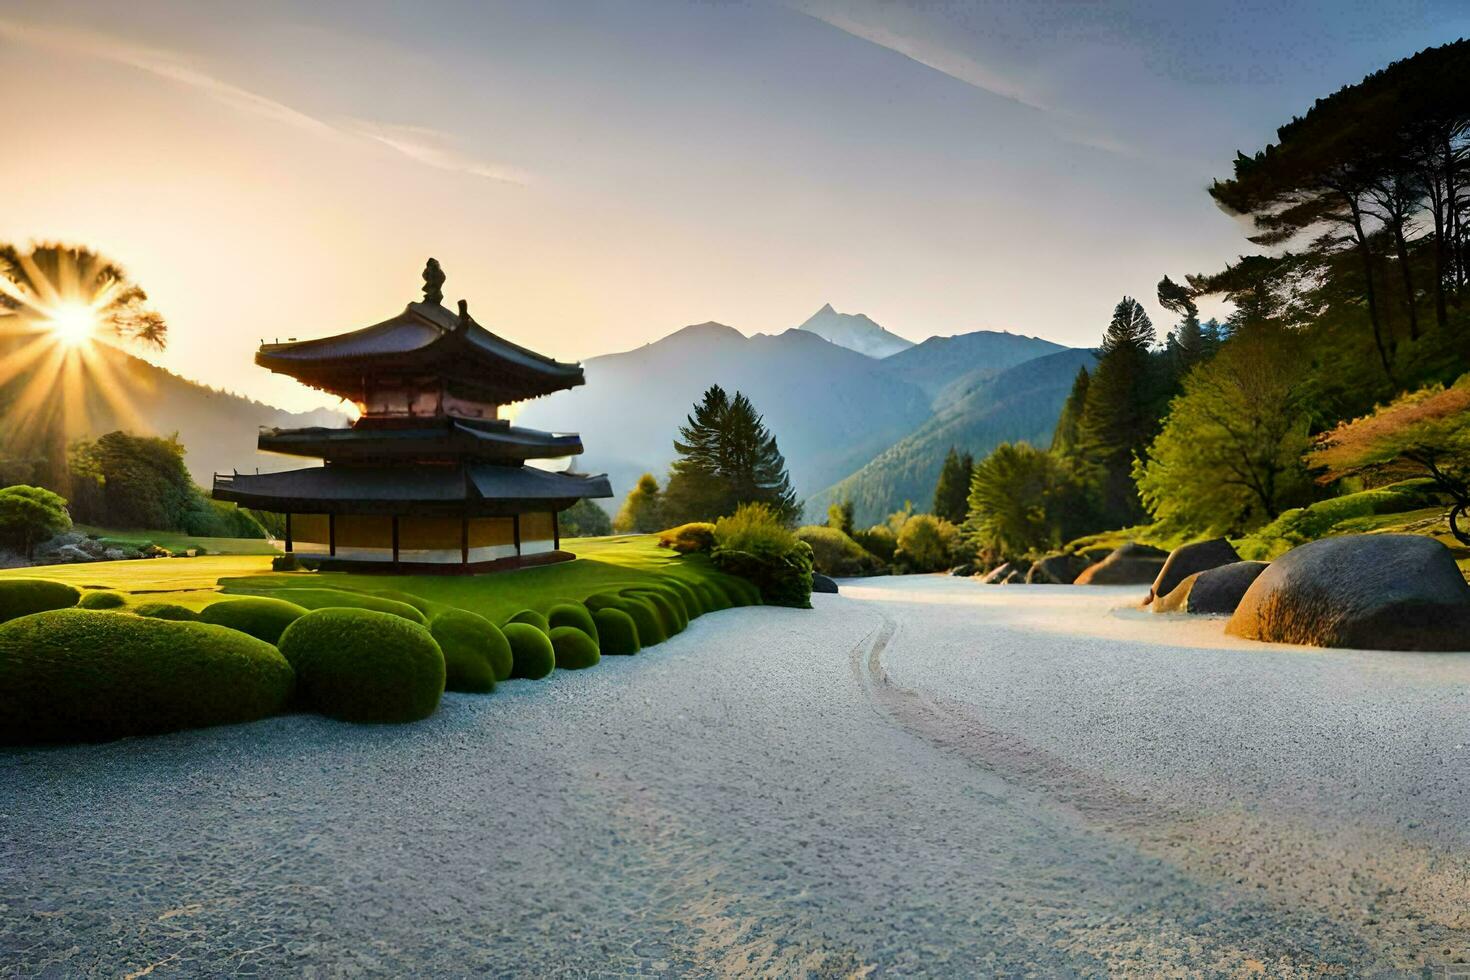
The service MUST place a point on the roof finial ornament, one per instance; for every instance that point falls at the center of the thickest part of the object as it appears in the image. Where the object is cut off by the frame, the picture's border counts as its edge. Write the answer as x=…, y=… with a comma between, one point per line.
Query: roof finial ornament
x=464, y=315
x=433, y=282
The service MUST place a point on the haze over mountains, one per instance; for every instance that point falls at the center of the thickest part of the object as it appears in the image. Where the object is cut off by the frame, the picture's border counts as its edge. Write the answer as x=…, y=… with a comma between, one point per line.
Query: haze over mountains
x=849, y=423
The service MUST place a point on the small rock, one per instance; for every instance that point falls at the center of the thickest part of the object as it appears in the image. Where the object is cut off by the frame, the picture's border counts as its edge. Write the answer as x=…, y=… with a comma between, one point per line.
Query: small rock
x=1214, y=591
x=1187, y=559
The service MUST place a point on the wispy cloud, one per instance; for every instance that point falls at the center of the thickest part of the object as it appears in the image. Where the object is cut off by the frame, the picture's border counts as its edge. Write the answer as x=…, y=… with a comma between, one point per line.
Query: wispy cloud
x=426, y=146
x=971, y=71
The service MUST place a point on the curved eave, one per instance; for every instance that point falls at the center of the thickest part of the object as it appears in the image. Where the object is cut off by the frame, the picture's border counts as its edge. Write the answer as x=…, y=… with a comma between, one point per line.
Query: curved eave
x=454, y=441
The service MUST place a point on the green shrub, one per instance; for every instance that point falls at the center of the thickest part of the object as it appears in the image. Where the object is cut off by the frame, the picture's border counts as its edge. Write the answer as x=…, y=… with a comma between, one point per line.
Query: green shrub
x=753, y=544
x=664, y=606
x=602, y=600
x=694, y=603
x=741, y=592
x=618, y=632
x=687, y=539
x=23, y=596
x=927, y=544
x=1302, y=524
x=880, y=540
x=531, y=617
x=474, y=650
x=166, y=610
x=754, y=528
x=574, y=649
x=364, y=665
x=834, y=553
x=316, y=598
x=263, y=618
x=407, y=598
x=714, y=597
x=102, y=600
x=573, y=614
x=73, y=675
x=646, y=617
x=531, y=651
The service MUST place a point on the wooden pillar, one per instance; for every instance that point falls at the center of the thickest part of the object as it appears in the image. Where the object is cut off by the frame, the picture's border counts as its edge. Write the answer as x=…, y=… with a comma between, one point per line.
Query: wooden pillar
x=288, y=533
x=516, y=526
x=464, y=539
x=332, y=535
x=395, y=539
x=555, y=532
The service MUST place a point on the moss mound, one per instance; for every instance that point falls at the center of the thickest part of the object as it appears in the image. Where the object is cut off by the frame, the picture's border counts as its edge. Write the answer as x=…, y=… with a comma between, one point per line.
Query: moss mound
x=407, y=598
x=166, y=610
x=531, y=651
x=646, y=617
x=670, y=610
x=575, y=615
x=265, y=619
x=102, y=600
x=531, y=617
x=603, y=600
x=714, y=596
x=365, y=665
x=313, y=598
x=23, y=596
x=618, y=632
x=574, y=649
x=473, y=648
x=742, y=592
x=693, y=603
x=73, y=675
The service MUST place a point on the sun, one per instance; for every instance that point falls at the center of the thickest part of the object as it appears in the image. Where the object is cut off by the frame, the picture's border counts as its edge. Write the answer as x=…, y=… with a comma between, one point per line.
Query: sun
x=72, y=323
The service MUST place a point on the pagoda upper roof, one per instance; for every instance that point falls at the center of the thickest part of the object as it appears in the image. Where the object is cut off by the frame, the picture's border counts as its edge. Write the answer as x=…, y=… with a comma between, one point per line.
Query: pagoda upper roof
x=426, y=340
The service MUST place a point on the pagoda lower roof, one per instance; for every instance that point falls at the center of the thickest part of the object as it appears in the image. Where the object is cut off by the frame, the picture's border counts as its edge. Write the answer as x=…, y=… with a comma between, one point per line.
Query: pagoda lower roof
x=426, y=438
x=425, y=340
x=484, y=488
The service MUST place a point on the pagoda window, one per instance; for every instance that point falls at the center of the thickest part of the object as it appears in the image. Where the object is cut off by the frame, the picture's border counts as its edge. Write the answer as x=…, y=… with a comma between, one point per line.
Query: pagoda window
x=538, y=532
x=365, y=537
x=311, y=534
x=432, y=540
x=491, y=538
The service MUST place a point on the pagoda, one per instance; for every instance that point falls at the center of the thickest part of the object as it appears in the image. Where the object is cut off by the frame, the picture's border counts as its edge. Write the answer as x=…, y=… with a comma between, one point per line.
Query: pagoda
x=429, y=477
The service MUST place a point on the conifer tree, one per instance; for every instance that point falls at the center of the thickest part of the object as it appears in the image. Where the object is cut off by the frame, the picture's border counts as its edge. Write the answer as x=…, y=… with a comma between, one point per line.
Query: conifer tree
x=1067, y=433
x=1118, y=418
x=727, y=457
x=952, y=492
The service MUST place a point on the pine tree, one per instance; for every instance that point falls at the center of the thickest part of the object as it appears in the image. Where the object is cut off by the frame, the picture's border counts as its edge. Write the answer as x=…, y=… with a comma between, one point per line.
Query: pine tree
x=727, y=457
x=642, y=511
x=952, y=492
x=1119, y=417
x=1066, y=435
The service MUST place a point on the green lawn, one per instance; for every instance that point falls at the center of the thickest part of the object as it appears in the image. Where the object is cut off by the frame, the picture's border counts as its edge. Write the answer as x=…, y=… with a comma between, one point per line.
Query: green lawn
x=602, y=564
x=176, y=542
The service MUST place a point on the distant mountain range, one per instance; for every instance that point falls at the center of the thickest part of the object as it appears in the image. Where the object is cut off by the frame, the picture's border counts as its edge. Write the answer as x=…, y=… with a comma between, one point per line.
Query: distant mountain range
x=855, y=332
x=218, y=429
x=849, y=424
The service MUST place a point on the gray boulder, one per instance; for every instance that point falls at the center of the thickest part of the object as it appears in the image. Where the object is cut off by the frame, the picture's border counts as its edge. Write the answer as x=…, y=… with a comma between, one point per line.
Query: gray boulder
x=1132, y=564
x=1214, y=591
x=1365, y=591
x=1017, y=577
x=1187, y=559
x=823, y=583
x=1056, y=570
x=997, y=574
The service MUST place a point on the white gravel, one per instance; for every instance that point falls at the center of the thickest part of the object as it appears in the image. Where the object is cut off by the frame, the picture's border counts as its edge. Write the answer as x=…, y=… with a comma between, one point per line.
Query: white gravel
x=922, y=776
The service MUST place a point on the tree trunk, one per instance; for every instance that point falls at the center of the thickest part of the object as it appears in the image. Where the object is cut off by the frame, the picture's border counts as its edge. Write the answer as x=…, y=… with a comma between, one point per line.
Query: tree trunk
x=1369, y=294
x=1402, y=248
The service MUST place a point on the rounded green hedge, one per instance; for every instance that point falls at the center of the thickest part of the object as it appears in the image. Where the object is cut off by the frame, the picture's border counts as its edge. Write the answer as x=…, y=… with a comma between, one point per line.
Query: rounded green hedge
x=714, y=597
x=166, y=610
x=693, y=604
x=531, y=617
x=574, y=649
x=407, y=598
x=670, y=610
x=531, y=650
x=575, y=615
x=263, y=618
x=364, y=665
x=473, y=650
x=602, y=600
x=315, y=598
x=78, y=675
x=23, y=596
x=102, y=600
x=742, y=592
x=649, y=622
x=618, y=634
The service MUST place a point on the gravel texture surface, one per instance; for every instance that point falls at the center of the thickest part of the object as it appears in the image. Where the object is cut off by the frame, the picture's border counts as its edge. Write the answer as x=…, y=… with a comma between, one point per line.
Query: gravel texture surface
x=923, y=776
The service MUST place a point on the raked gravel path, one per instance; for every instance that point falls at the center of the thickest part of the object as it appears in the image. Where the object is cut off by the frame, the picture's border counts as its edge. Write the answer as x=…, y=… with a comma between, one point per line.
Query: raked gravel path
x=922, y=776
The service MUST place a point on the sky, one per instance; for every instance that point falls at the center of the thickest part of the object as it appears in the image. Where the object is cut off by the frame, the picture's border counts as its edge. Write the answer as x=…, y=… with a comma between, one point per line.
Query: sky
x=594, y=175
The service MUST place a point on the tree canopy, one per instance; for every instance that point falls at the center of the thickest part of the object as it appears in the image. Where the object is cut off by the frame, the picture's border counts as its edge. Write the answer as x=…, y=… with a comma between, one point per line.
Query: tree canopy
x=726, y=457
